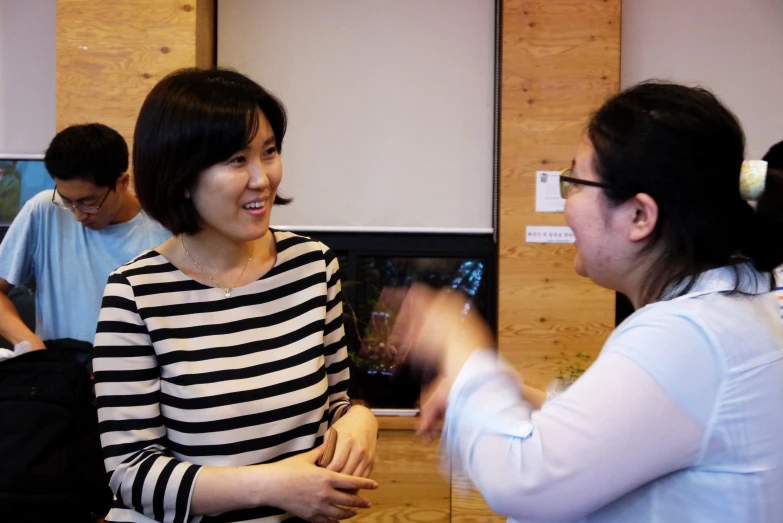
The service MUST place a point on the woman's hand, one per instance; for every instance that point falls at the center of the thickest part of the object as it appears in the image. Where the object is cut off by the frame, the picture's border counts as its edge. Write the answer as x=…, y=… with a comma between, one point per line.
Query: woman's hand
x=432, y=407
x=357, y=436
x=438, y=328
x=313, y=493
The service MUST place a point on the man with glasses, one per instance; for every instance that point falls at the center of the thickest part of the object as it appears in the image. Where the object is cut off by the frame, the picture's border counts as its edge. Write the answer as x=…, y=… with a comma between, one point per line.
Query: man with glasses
x=70, y=239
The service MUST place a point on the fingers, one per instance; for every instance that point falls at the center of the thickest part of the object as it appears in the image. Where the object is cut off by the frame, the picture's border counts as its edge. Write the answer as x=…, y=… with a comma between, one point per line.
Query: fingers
x=434, y=399
x=339, y=499
x=346, y=482
x=357, y=461
x=366, y=471
x=349, y=499
x=351, y=457
x=341, y=454
x=335, y=512
x=352, y=465
x=431, y=324
x=427, y=320
x=429, y=421
x=431, y=391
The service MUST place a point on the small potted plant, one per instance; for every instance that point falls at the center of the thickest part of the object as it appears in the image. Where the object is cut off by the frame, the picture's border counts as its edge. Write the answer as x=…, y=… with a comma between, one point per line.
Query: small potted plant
x=569, y=370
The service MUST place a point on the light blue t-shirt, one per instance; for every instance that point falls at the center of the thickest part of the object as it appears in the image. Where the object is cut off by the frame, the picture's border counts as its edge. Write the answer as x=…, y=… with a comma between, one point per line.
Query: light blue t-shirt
x=69, y=263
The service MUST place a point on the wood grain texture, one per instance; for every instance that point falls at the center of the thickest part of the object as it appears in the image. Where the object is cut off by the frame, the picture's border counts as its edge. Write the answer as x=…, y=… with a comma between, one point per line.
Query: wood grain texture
x=206, y=38
x=110, y=54
x=467, y=505
x=411, y=489
x=561, y=59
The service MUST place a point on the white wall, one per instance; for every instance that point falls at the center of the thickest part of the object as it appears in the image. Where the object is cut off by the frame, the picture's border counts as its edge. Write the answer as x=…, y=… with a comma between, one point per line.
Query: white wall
x=390, y=105
x=732, y=47
x=27, y=75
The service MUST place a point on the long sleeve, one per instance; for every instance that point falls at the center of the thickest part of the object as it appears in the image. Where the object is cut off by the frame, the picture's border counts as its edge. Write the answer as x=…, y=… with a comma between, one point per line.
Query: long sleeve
x=614, y=430
x=335, y=347
x=142, y=473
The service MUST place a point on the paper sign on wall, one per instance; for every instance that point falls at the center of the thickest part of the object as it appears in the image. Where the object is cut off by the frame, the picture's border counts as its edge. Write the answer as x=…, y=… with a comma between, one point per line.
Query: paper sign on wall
x=548, y=192
x=548, y=234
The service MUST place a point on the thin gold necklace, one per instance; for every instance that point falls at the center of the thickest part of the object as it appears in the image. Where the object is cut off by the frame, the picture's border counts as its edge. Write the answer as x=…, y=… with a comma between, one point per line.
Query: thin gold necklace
x=229, y=289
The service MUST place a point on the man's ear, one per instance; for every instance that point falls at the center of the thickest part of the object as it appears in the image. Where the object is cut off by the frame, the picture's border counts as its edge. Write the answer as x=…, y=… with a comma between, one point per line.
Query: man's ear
x=123, y=182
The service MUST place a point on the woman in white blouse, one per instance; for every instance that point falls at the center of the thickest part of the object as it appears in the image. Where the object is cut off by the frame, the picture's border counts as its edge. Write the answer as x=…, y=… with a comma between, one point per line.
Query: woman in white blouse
x=680, y=418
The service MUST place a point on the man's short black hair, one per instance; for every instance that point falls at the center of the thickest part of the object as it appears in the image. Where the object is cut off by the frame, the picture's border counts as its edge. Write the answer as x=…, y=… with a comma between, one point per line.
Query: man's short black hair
x=91, y=152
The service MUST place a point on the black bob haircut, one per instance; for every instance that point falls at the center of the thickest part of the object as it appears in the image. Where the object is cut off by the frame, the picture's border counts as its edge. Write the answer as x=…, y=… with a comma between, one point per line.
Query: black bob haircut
x=191, y=120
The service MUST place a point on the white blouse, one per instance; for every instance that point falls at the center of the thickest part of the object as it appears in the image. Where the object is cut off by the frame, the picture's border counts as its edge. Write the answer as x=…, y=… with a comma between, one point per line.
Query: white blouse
x=680, y=419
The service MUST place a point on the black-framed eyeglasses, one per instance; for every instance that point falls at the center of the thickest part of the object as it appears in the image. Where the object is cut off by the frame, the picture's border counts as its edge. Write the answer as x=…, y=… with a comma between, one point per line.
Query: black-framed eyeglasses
x=70, y=206
x=567, y=183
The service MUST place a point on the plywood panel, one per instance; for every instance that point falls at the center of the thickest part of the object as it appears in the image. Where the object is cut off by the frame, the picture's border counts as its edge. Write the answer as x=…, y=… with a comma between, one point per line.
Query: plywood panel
x=561, y=59
x=110, y=54
x=206, y=37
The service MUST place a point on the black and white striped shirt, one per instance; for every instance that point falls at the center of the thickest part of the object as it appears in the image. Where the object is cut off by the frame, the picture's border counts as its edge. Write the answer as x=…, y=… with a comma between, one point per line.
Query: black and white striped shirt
x=186, y=377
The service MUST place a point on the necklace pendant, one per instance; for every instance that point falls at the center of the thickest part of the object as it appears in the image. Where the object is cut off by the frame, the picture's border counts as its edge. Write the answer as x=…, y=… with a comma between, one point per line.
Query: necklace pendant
x=228, y=293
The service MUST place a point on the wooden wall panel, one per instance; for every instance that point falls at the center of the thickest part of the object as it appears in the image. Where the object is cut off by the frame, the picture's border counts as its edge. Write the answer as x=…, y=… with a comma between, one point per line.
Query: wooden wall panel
x=110, y=54
x=206, y=35
x=561, y=59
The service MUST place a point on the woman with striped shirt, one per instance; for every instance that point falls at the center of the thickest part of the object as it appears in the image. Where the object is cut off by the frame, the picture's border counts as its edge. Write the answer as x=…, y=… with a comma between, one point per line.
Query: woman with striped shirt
x=220, y=358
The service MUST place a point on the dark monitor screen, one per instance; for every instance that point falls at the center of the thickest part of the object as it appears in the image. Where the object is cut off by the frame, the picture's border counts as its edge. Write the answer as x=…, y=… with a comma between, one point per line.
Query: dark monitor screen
x=370, y=262
x=377, y=376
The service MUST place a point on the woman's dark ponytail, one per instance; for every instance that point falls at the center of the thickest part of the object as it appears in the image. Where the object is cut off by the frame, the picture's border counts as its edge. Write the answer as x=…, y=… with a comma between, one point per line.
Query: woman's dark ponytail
x=765, y=241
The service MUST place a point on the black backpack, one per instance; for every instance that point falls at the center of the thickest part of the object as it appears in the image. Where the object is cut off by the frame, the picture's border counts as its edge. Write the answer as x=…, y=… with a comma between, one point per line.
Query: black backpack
x=51, y=466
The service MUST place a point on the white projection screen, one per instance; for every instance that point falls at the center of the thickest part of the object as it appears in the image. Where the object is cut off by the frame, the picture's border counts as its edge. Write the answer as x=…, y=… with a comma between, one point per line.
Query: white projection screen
x=27, y=76
x=391, y=107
